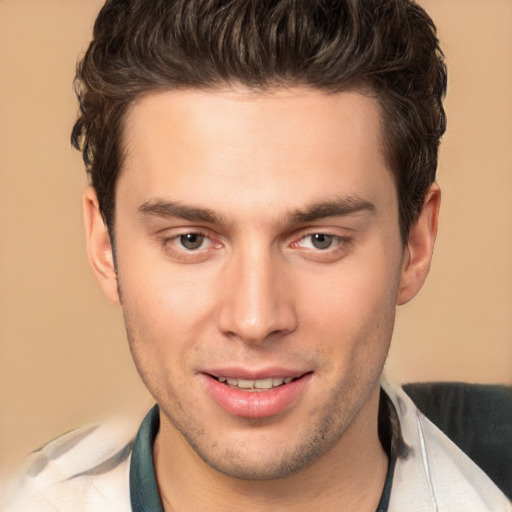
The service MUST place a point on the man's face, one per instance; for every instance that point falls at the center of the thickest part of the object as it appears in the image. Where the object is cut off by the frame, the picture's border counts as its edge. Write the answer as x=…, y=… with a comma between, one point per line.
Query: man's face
x=258, y=242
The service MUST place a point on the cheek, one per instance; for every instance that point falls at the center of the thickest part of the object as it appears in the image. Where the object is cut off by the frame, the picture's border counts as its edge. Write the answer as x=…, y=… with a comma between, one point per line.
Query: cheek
x=163, y=294
x=161, y=331
x=354, y=306
x=356, y=290
x=164, y=313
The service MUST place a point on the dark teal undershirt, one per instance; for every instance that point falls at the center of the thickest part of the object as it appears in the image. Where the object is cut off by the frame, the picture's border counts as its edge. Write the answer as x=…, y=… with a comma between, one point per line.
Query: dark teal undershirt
x=144, y=494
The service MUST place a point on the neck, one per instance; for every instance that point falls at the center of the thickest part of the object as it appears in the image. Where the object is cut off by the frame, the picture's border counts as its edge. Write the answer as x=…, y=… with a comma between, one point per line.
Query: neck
x=349, y=477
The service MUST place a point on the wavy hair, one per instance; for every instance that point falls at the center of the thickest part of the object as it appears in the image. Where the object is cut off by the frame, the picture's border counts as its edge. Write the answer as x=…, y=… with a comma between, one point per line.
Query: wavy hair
x=386, y=48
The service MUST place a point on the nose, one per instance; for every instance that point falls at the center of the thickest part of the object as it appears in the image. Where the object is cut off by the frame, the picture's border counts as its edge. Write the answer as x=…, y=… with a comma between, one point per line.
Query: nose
x=256, y=302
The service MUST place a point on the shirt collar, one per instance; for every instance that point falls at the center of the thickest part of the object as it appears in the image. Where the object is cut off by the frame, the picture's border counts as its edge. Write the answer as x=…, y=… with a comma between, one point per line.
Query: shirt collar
x=144, y=494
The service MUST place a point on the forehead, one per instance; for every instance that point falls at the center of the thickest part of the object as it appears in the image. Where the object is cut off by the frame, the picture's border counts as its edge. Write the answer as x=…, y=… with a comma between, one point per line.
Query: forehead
x=235, y=148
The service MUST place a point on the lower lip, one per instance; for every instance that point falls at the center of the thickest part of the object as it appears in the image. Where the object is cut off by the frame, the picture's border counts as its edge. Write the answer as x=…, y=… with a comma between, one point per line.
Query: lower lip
x=256, y=404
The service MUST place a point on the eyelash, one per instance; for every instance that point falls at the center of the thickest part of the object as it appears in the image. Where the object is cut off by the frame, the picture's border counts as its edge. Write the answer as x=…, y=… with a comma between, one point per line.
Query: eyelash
x=336, y=239
x=170, y=244
x=338, y=250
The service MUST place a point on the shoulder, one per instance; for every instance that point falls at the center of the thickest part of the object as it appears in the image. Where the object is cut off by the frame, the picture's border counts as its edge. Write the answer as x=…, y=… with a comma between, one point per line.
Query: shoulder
x=89, y=465
x=477, y=418
x=435, y=474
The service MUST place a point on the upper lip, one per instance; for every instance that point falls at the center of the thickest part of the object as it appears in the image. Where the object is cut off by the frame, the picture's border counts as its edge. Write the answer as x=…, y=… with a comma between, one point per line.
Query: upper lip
x=256, y=374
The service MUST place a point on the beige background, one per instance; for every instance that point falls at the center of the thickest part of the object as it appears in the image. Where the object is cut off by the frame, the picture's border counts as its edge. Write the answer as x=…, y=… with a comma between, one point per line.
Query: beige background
x=63, y=356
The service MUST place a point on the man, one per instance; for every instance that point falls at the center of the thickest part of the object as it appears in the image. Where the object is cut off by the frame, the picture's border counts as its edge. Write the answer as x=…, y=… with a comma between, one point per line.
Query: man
x=262, y=198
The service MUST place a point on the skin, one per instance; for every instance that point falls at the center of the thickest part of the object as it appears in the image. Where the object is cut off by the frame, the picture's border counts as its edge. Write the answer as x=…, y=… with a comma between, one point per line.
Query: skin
x=249, y=171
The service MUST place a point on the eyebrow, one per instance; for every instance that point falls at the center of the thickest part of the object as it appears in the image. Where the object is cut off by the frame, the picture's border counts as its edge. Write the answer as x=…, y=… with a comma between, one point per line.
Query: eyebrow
x=337, y=207
x=164, y=208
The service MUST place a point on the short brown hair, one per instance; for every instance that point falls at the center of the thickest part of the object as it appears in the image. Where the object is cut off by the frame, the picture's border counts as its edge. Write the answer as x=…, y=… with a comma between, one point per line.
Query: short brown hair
x=387, y=48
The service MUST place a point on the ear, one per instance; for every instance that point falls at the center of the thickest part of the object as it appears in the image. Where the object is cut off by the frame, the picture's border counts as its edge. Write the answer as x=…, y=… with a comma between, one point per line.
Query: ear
x=420, y=246
x=99, y=247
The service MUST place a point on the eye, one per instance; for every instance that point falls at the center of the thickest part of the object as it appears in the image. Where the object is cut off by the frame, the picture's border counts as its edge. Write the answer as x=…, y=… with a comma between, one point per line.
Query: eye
x=191, y=241
x=189, y=244
x=319, y=241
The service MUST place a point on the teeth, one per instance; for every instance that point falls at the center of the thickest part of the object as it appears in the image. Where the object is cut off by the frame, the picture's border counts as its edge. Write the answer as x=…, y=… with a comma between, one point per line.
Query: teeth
x=246, y=384
x=255, y=384
x=264, y=383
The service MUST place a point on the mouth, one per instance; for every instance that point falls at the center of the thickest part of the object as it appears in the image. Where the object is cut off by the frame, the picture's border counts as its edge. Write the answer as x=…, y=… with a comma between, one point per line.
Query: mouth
x=261, y=397
x=254, y=384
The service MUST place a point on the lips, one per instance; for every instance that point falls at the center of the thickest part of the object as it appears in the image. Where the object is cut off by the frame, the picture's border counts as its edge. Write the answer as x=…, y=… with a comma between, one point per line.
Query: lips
x=258, y=397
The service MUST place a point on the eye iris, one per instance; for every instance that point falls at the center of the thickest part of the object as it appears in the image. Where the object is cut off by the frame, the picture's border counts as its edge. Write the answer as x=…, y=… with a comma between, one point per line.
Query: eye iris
x=321, y=241
x=191, y=240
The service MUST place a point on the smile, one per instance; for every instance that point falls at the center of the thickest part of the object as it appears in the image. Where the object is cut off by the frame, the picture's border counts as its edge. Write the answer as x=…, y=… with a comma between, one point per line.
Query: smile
x=255, y=385
x=256, y=398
